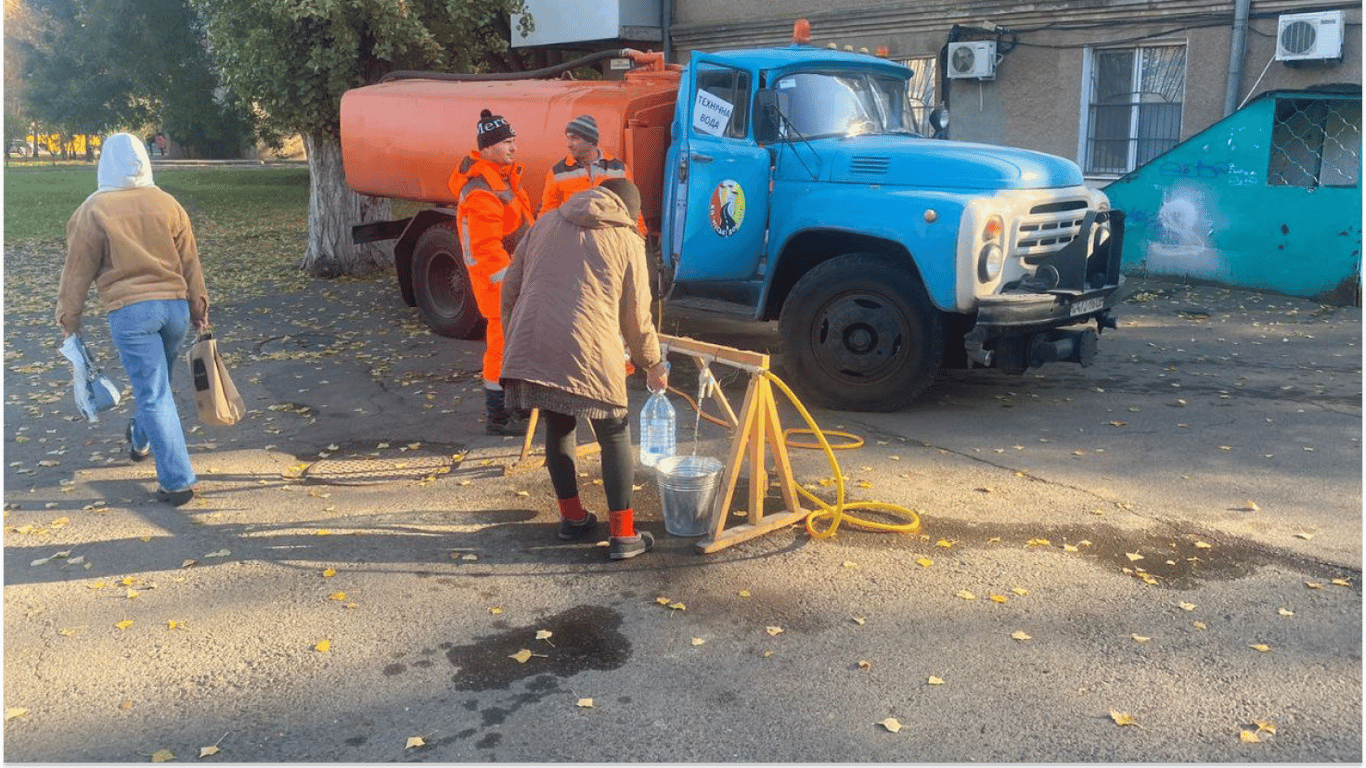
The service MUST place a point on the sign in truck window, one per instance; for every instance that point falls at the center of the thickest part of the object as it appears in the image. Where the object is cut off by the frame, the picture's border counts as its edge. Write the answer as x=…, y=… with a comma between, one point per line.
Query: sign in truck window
x=727, y=207
x=711, y=114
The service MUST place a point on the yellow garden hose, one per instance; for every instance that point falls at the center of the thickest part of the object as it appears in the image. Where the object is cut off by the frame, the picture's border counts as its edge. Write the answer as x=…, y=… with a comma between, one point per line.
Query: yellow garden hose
x=837, y=512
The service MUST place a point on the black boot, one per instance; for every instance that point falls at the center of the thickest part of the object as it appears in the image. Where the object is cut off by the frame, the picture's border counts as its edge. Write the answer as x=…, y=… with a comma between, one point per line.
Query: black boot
x=500, y=420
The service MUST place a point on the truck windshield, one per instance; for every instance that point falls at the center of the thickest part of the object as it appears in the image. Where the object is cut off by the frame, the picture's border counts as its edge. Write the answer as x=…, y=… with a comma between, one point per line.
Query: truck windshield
x=841, y=104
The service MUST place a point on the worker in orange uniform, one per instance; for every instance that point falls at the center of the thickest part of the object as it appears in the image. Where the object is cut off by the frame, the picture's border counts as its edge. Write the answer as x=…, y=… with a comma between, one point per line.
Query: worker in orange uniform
x=493, y=214
x=587, y=166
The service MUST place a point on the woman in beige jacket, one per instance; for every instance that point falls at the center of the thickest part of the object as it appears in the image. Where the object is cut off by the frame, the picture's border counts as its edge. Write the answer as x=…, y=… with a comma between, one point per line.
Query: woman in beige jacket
x=576, y=287
x=135, y=243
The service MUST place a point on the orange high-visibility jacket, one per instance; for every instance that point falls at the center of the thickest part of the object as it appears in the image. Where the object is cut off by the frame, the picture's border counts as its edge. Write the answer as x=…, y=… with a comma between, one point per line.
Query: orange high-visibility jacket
x=493, y=214
x=568, y=177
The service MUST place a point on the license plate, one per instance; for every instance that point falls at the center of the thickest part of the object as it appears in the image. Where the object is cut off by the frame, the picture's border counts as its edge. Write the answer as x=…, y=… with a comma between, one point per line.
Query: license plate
x=1087, y=305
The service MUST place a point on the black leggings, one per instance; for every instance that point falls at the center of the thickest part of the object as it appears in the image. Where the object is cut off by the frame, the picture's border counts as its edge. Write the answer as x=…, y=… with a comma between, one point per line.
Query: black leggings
x=618, y=470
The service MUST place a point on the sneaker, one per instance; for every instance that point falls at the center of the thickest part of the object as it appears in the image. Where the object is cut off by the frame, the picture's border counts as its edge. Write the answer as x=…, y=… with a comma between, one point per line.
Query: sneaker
x=570, y=530
x=134, y=452
x=627, y=547
x=175, y=498
x=513, y=427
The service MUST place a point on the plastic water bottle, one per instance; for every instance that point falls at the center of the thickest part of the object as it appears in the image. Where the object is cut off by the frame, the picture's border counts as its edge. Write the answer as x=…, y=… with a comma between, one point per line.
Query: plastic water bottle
x=657, y=439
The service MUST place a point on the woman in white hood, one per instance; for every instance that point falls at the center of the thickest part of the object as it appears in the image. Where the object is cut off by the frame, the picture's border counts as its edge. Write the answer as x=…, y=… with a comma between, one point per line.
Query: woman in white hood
x=135, y=243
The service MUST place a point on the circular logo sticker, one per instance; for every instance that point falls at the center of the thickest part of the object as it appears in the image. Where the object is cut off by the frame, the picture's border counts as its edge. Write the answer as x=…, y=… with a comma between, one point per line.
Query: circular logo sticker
x=727, y=207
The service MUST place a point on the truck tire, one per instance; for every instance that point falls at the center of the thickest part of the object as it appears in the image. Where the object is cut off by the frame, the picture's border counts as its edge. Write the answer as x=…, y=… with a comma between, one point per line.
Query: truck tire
x=441, y=285
x=859, y=334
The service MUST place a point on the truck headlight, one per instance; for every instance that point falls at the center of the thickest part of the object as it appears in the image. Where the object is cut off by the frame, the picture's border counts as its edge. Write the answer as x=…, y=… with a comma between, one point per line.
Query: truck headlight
x=990, y=262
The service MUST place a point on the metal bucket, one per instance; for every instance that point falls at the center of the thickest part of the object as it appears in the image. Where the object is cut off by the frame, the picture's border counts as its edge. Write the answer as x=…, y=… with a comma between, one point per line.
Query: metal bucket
x=687, y=488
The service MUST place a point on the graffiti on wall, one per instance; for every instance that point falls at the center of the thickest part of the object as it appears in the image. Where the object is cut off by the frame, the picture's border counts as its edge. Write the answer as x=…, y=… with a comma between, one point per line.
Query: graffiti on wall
x=1186, y=223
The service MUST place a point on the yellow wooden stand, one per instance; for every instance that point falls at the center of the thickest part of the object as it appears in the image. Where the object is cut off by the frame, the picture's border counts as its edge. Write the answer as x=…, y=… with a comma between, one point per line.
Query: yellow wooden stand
x=757, y=430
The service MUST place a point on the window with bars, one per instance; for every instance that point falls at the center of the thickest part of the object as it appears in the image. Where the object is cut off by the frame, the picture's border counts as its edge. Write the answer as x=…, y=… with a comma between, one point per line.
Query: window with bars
x=1315, y=142
x=1134, y=113
x=920, y=92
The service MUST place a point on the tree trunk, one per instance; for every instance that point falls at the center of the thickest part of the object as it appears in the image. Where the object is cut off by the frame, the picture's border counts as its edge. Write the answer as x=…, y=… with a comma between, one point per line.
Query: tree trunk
x=332, y=209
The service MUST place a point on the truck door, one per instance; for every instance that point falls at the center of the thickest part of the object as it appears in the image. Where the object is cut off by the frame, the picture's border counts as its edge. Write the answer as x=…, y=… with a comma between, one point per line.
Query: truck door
x=718, y=178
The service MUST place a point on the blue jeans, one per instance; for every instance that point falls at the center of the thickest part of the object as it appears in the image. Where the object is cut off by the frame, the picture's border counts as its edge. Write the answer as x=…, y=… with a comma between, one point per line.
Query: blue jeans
x=148, y=336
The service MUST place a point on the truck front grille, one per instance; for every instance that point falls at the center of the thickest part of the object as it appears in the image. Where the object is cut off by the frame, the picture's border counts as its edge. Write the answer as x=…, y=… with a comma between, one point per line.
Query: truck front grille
x=1050, y=227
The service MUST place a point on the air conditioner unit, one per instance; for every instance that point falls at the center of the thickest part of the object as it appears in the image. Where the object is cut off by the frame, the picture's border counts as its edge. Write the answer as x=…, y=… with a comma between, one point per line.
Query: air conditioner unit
x=1309, y=36
x=973, y=59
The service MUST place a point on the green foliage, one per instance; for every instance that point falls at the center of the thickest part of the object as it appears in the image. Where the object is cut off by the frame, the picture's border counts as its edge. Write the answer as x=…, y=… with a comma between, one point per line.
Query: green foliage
x=95, y=66
x=294, y=59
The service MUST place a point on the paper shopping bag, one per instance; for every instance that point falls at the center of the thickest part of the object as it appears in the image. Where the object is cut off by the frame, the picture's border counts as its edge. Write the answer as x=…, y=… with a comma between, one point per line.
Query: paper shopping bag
x=214, y=393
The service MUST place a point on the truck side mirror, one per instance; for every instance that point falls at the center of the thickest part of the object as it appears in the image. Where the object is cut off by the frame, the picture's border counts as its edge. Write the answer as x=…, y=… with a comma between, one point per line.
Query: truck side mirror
x=766, y=117
x=939, y=121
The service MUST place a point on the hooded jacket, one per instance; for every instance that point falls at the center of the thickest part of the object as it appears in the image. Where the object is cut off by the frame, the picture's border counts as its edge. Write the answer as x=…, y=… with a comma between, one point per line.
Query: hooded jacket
x=578, y=285
x=131, y=239
x=493, y=214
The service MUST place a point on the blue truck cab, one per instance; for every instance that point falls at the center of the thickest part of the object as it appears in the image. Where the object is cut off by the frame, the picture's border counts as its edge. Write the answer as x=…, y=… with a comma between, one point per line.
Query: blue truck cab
x=796, y=190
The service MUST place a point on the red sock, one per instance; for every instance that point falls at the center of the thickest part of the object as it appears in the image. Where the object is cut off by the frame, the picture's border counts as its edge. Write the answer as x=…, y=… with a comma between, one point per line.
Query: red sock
x=623, y=522
x=571, y=509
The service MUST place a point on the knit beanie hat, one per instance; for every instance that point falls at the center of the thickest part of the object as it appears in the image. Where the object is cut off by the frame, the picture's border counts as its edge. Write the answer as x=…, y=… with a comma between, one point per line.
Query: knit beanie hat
x=493, y=129
x=627, y=191
x=585, y=127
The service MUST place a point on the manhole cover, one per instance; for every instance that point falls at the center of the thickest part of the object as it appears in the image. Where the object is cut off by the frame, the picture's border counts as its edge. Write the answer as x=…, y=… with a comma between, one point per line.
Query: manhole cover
x=381, y=466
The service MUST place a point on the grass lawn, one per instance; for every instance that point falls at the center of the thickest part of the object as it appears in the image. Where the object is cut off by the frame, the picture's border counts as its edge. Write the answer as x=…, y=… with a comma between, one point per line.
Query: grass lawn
x=251, y=224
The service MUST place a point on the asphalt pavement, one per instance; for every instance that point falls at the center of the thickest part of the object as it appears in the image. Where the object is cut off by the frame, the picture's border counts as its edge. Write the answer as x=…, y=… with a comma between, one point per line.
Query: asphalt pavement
x=1154, y=559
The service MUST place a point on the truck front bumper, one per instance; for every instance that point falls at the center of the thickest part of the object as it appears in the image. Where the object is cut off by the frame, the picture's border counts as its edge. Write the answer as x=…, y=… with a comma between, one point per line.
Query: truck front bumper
x=1023, y=327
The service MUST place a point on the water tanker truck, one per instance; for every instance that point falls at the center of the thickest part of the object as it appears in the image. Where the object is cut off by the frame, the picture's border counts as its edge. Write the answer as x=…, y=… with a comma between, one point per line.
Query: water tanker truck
x=786, y=184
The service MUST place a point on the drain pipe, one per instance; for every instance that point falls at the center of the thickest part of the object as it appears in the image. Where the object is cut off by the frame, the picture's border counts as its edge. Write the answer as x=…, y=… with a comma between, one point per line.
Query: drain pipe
x=666, y=20
x=1236, y=55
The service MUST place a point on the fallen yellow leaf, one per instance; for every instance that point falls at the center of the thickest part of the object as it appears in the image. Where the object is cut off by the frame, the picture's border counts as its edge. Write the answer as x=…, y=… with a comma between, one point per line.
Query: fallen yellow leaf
x=1341, y=583
x=338, y=596
x=323, y=646
x=773, y=631
x=1019, y=634
x=585, y=703
x=1260, y=647
x=678, y=606
x=1122, y=718
x=322, y=532
x=1198, y=625
x=1305, y=536
x=935, y=680
x=1285, y=612
x=522, y=656
x=744, y=593
x=945, y=543
x=1313, y=585
x=698, y=641
x=999, y=599
x=850, y=564
x=1265, y=726
x=328, y=573
x=1038, y=543
x=1248, y=737
x=544, y=634
x=125, y=624
x=1133, y=556
x=966, y=595
x=1186, y=606
x=207, y=751
x=1140, y=638
x=14, y=712
x=925, y=562
x=891, y=724
x=662, y=600
x=414, y=742
x=864, y=664
x=495, y=610
x=188, y=563
x=162, y=756
x=1021, y=591
x=1202, y=545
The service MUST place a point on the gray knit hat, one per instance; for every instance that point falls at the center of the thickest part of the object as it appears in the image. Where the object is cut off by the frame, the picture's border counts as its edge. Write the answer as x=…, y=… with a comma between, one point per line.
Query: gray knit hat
x=585, y=127
x=493, y=129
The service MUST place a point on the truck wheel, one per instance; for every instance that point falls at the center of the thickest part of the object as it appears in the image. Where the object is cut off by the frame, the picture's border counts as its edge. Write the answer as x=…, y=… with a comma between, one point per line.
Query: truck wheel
x=441, y=285
x=859, y=334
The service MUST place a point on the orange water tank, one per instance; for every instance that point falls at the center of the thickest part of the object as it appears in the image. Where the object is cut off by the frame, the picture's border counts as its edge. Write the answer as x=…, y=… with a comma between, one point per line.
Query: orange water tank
x=402, y=138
